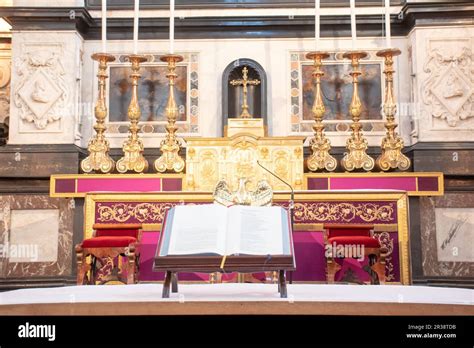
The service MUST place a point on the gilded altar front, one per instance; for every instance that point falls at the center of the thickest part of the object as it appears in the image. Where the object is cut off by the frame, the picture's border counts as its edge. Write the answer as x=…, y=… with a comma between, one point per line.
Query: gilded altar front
x=209, y=160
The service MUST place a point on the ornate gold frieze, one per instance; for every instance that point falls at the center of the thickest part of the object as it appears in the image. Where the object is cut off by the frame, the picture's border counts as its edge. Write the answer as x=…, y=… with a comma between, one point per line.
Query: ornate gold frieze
x=211, y=160
x=344, y=212
x=123, y=212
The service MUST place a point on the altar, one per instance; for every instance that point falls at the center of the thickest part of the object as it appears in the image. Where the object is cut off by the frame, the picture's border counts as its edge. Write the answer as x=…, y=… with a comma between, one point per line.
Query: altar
x=386, y=210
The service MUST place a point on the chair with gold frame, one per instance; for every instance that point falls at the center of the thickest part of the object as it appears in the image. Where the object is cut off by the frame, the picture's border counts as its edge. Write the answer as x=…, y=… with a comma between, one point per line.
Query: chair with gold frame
x=114, y=242
x=355, y=235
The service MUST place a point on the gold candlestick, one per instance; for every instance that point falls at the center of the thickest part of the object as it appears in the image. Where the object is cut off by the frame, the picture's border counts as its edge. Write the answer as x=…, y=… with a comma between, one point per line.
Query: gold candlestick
x=98, y=147
x=356, y=145
x=392, y=145
x=320, y=145
x=170, y=160
x=133, y=159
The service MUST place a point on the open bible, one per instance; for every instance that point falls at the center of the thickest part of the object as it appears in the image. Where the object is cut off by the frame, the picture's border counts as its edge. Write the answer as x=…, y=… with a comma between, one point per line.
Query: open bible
x=212, y=229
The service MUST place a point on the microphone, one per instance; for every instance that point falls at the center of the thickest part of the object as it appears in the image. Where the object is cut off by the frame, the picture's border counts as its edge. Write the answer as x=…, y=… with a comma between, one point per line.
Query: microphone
x=292, y=200
x=291, y=203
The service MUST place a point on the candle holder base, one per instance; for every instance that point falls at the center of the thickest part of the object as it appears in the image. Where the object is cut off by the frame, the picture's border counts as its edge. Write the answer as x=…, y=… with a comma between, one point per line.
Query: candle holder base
x=99, y=159
x=356, y=157
x=320, y=159
x=170, y=160
x=133, y=159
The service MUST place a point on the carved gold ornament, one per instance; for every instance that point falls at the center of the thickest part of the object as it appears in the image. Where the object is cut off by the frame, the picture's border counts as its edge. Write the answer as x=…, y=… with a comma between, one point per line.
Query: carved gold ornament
x=343, y=212
x=262, y=196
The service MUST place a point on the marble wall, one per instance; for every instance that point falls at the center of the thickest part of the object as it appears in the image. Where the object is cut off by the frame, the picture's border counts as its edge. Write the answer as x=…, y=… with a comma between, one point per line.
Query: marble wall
x=36, y=235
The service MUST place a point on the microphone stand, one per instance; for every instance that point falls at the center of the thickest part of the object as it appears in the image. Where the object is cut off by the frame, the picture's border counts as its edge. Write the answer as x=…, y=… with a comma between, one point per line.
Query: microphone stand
x=291, y=204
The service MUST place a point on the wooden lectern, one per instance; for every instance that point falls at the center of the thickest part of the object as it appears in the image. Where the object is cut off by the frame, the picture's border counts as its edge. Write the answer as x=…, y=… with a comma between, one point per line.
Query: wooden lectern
x=205, y=263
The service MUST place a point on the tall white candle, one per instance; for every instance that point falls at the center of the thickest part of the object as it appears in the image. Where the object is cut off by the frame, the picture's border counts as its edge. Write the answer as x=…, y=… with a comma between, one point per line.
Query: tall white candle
x=171, y=26
x=353, y=25
x=317, y=23
x=388, y=29
x=135, y=27
x=104, y=26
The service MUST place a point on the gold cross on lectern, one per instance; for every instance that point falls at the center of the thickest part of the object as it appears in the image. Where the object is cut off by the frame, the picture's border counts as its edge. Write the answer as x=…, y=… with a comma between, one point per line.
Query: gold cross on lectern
x=244, y=82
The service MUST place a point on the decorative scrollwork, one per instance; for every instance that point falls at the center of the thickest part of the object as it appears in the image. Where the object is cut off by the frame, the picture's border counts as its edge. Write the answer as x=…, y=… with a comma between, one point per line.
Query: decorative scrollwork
x=387, y=241
x=142, y=212
x=343, y=212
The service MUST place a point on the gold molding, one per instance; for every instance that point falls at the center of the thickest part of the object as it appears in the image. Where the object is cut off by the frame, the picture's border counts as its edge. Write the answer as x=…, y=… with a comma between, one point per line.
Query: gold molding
x=403, y=240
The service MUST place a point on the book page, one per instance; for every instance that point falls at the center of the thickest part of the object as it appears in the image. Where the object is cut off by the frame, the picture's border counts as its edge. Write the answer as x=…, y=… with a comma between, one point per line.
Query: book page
x=198, y=229
x=256, y=230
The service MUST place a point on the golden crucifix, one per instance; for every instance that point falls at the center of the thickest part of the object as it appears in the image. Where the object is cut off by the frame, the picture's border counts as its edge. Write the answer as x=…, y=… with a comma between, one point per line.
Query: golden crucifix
x=244, y=82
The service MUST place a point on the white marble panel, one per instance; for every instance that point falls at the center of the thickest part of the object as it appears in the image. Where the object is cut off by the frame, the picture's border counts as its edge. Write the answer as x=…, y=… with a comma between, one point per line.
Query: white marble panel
x=455, y=234
x=34, y=231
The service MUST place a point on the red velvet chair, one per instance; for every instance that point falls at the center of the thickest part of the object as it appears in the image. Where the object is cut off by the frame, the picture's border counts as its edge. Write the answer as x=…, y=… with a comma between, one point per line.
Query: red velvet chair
x=354, y=235
x=115, y=242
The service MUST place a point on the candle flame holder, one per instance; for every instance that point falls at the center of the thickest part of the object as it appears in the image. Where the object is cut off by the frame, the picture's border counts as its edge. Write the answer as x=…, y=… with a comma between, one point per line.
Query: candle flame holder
x=99, y=159
x=170, y=160
x=320, y=145
x=392, y=145
x=133, y=159
x=356, y=157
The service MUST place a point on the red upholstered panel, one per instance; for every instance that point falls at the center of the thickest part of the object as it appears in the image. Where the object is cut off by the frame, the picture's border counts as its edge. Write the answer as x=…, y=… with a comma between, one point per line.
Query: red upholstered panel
x=368, y=242
x=116, y=232
x=108, y=242
x=339, y=232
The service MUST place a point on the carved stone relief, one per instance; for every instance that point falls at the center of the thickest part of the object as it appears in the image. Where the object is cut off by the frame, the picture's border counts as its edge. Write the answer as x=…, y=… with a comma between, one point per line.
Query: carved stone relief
x=5, y=74
x=448, y=91
x=41, y=93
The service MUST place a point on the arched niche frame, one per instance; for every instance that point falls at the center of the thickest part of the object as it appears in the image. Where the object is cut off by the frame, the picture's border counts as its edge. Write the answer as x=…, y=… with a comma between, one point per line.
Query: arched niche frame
x=232, y=95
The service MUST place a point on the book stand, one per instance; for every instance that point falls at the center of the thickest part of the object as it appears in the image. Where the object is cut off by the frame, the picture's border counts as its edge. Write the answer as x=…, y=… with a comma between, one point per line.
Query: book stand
x=174, y=264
